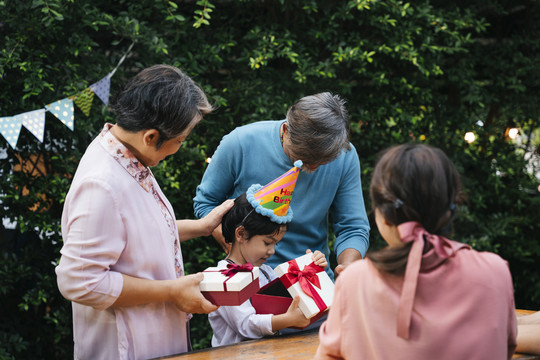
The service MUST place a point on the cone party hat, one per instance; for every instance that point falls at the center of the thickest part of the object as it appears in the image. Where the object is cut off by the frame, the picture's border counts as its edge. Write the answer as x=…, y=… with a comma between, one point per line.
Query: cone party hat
x=274, y=198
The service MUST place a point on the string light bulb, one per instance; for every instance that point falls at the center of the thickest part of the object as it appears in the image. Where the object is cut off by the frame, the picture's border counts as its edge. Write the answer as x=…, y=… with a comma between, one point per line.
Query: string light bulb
x=208, y=159
x=470, y=137
x=513, y=133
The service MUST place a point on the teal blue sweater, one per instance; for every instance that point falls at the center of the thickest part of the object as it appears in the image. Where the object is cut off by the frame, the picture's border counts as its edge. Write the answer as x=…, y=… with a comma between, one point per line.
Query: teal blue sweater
x=252, y=154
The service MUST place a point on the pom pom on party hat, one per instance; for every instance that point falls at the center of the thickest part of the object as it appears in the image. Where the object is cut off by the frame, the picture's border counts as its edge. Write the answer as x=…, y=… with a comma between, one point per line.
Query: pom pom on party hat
x=274, y=198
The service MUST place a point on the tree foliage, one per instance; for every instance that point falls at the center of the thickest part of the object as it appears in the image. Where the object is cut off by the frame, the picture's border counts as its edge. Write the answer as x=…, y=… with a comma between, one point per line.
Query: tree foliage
x=424, y=71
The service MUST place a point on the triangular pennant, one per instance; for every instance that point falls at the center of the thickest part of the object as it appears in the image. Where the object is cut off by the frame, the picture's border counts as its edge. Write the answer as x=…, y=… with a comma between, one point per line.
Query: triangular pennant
x=84, y=100
x=63, y=110
x=34, y=121
x=102, y=88
x=10, y=128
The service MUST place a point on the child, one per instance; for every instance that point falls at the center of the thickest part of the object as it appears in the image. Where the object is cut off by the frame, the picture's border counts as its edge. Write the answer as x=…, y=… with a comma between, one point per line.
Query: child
x=423, y=296
x=253, y=237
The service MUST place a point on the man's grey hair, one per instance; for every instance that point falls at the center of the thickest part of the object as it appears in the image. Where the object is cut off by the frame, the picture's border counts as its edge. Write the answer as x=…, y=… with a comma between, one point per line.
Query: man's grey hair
x=319, y=128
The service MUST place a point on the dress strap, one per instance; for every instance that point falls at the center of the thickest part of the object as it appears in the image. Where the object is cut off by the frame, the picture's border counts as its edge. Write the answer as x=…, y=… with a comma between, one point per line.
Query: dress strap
x=265, y=274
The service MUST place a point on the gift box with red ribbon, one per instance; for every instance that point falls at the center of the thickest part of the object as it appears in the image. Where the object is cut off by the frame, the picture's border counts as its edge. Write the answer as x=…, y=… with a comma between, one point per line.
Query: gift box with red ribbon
x=230, y=286
x=296, y=277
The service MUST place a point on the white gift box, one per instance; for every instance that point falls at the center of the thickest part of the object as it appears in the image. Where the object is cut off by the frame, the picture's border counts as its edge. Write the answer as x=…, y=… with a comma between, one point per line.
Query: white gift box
x=231, y=290
x=322, y=295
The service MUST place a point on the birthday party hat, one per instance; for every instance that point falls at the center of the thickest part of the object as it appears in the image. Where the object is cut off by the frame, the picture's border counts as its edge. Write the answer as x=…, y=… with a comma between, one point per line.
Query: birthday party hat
x=274, y=198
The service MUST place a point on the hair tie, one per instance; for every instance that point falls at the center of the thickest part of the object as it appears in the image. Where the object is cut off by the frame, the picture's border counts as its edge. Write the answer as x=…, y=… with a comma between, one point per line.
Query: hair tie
x=398, y=203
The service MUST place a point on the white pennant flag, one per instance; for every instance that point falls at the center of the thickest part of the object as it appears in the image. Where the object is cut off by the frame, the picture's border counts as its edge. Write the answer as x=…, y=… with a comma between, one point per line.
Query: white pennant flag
x=10, y=128
x=34, y=121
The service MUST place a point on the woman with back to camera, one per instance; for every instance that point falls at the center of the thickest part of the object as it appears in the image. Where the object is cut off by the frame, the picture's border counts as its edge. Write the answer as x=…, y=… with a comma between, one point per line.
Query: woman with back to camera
x=423, y=296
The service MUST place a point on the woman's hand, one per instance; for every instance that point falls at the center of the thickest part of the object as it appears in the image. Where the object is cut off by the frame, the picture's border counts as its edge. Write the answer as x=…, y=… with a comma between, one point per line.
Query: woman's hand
x=189, y=229
x=218, y=236
x=213, y=219
x=216, y=215
x=185, y=294
x=318, y=258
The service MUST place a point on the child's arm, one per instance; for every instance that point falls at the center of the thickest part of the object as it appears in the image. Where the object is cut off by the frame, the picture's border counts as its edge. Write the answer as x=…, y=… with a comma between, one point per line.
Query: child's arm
x=318, y=258
x=243, y=321
x=293, y=317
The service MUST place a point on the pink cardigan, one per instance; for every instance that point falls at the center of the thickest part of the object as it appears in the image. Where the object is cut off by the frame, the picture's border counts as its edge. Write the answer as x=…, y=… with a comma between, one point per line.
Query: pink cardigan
x=463, y=309
x=113, y=225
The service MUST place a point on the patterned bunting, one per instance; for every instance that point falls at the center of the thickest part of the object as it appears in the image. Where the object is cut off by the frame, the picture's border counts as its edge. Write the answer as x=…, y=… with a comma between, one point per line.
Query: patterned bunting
x=102, y=88
x=63, y=110
x=84, y=100
x=10, y=128
x=34, y=121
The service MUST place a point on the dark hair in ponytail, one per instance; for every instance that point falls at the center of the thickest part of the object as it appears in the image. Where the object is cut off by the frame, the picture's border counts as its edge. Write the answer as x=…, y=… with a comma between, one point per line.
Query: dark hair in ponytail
x=413, y=182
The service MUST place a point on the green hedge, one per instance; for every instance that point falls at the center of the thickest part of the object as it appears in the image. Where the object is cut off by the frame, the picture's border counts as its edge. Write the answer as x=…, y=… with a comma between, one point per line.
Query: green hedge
x=425, y=71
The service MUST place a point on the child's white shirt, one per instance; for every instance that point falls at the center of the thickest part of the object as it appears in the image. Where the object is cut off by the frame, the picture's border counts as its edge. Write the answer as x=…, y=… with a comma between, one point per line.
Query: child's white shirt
x=232, y=324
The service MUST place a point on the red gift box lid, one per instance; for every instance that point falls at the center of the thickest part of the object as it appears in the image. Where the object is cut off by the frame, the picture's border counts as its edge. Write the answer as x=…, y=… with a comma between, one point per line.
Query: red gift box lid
x=229, y=290
x=232, y=298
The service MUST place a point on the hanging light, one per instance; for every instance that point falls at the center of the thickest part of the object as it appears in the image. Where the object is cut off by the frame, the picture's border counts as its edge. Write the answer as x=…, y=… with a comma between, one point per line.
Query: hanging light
x=512, y=133
x=470, y=137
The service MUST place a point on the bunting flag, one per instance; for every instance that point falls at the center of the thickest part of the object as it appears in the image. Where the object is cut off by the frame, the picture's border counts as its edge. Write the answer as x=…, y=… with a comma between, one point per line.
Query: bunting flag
x=10, y=128
x=34, y=121
x=63, y=110
x=102, y=88
x=84, y=100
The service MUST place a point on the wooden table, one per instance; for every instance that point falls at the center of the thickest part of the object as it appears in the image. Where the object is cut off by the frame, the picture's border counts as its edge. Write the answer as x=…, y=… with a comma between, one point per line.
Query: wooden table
x=295, y=346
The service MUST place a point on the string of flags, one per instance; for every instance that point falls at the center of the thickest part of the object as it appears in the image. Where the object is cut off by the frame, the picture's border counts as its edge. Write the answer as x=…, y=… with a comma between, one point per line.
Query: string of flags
x=63, y=110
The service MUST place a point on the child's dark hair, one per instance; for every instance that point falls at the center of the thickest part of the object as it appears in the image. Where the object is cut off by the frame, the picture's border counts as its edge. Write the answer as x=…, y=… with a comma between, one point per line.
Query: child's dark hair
x=413, y=182
x=243, y=214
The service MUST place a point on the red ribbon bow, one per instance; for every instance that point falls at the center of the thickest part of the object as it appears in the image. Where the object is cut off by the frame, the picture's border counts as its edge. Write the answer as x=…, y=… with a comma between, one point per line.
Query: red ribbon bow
x=307, y=278
x=304, y=277
x=233, y=269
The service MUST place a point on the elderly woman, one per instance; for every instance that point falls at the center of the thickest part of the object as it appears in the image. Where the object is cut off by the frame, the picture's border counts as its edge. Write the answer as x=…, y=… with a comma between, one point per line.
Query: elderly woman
x=121, y=263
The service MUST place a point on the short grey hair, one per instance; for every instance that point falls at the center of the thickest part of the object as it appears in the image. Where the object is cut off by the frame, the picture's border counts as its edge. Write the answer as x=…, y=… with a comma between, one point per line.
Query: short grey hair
x=161, y=97
x=319, y=128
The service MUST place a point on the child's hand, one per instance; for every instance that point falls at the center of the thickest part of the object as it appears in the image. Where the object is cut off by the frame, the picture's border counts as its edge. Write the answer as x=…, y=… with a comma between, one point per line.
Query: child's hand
x=295, y=315
x=318, y=258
